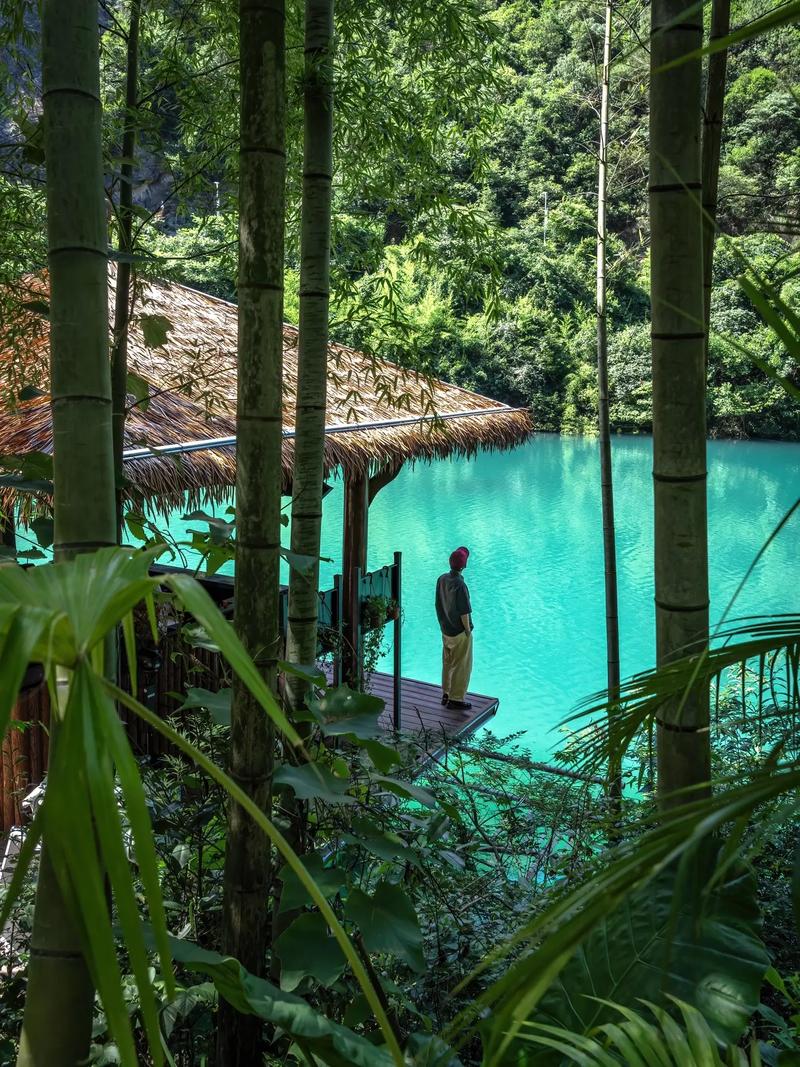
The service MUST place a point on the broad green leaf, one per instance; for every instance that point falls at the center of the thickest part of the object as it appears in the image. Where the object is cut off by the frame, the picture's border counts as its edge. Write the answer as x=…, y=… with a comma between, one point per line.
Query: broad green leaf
x=43, y=528
x=283, y=846
x=313, y=781
x=334, y=1044
x=341, y=711
x=300, y=563
x=99, y=770
x=309, y=672
x=428, y=1050
x=294, y=894
x=654, y=947
x=383, y=756
x=381, y=843
x=388, y=923
x=38, y=307
x=203, y=995
x=30, y=464
x=217, y=704
x=20, y=631
x=200, y=604
x=155, y=330
x=135, y=522
x=407, y=789
x=32, y=472
x=140, y=389
x=25, y=485
x=71, y=838
x=306, y=949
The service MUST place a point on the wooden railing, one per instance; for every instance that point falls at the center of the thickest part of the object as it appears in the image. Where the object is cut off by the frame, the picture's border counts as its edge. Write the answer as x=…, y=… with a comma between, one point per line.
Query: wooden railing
x=23, y=754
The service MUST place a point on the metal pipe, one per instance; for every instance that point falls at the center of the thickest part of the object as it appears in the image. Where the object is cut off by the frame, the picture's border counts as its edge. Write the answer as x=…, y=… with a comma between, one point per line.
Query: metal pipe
x=213, y=443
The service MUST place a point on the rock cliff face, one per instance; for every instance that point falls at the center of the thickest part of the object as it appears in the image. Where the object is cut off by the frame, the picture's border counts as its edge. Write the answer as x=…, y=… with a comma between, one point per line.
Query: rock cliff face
x=20, y=91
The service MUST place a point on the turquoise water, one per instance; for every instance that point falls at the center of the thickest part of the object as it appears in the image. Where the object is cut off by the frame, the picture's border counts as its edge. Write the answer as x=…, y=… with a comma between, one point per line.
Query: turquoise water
x=531, y=519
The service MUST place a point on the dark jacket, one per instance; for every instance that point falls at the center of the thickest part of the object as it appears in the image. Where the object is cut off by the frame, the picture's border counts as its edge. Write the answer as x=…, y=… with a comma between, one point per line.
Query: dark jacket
x=452, y=601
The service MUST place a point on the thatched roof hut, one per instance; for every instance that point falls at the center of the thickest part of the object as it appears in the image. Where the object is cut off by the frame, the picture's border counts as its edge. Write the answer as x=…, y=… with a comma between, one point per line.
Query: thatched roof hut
x=183, y=346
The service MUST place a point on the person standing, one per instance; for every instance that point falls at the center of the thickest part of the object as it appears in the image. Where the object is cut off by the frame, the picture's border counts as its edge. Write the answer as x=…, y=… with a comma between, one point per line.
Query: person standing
x=454, y=612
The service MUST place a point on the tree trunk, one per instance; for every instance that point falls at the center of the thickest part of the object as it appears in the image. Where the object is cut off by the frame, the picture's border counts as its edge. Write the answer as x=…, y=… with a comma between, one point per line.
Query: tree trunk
x=312, y=371
x=262, y=170
x=56, y=1027
x=712, y=144
x=606, y=479
x=122, y=302
x=679, y=422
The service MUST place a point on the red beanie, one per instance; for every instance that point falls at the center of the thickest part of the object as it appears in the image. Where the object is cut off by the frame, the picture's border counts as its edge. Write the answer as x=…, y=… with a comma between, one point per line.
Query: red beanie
x=458, y=559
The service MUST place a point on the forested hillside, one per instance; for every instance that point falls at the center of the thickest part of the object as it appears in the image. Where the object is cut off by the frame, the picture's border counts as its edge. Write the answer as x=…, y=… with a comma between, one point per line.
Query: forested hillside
x=470, y=253
x=533, y=341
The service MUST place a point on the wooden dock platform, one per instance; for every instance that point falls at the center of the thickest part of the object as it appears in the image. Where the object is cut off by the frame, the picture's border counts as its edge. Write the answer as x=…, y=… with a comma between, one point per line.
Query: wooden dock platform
x=422, y=708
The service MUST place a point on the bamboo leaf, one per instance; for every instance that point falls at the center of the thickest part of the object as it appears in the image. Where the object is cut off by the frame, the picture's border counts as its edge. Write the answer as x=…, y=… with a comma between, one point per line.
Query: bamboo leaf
x=783, y=15
x=155, y=330
x=129, y=638
x=200, y=604
x=140, y=390
x=110, y=835
x=407, y=789
x=141, y=829
x=285, y=849
x=20, y=631
x=69, y=833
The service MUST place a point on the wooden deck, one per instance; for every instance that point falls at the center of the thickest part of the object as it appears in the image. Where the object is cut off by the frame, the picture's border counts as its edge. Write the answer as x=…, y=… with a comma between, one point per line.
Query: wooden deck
x=422, y=708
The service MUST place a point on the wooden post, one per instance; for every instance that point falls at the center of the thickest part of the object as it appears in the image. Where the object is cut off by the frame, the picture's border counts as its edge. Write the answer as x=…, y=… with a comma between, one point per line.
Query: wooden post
x=338, y=621
x=397, y=594
x=354, y=558
x=8, y=531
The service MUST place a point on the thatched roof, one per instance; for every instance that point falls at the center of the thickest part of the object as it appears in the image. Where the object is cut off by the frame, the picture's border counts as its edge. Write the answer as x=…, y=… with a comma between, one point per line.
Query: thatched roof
x=192, y=380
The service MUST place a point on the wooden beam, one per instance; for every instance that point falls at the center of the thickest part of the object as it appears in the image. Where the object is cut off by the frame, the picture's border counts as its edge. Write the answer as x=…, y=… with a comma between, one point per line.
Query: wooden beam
x=381, y=478
x=354, y=560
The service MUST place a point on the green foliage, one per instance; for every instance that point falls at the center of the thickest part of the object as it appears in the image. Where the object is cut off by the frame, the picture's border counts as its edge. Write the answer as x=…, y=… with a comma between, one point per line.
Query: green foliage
x=639, y=1040
x=334, y=1045
x=666, y=942
x=388, y=923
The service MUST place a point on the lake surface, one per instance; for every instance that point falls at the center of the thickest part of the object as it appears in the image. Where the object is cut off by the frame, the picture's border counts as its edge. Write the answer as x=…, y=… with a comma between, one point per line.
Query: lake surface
x=531, y=519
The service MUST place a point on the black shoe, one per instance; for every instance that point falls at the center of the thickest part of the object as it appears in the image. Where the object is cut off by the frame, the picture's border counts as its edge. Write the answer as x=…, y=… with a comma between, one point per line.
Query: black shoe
x=445, y=698
x=459, y=705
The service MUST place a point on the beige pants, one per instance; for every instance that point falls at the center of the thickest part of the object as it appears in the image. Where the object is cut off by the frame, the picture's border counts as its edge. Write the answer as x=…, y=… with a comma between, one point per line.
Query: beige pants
x=456, y=664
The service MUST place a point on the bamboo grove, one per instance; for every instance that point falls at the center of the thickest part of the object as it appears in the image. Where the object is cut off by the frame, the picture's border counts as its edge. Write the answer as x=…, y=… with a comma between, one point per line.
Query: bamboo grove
x=368, y=905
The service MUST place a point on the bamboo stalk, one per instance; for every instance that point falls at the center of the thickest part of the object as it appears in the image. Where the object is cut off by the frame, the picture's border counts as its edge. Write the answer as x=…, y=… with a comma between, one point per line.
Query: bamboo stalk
x=122, y=295
x=57, y=1022
x=604, y=426
x=712, y=146
x=679, y=381
x=262, y=169
x=309, y=454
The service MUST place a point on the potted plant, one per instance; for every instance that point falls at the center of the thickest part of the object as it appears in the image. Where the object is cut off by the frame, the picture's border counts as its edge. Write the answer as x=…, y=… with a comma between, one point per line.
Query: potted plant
x=376, y=611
